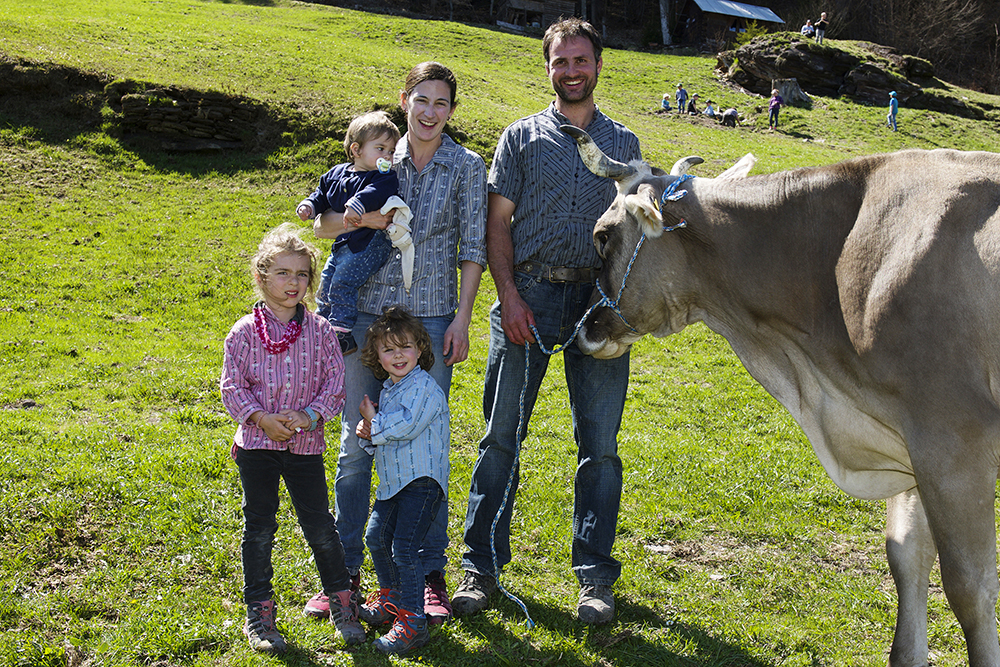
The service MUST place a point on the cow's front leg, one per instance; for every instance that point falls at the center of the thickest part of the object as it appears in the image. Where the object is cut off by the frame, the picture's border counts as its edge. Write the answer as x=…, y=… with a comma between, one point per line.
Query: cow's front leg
x=910, y=549
x=957, y=493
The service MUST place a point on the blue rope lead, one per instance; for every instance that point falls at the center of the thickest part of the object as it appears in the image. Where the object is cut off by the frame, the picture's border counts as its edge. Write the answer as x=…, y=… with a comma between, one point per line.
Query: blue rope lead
x=517, y=448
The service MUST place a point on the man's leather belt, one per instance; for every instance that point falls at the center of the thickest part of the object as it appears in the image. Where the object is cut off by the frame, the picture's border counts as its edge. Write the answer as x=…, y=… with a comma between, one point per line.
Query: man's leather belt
x=558, y=274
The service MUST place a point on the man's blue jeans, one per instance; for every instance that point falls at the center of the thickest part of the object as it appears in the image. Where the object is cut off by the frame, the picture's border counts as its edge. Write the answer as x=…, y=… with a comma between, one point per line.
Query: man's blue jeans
x=395, y=532
x=597, y=399
x=353, y=483
x=305, y=481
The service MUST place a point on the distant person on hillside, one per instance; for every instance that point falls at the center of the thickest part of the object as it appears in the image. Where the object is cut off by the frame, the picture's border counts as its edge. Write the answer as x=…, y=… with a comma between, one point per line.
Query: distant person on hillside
x=821, y=27
x=709, y=109
x=730, y=117
x=359, y=186
x=280, y=431
x=808, y=30
x=692, y=108
x=890, y=120
x=773, y=107
x=681, y=96
x=664, y=104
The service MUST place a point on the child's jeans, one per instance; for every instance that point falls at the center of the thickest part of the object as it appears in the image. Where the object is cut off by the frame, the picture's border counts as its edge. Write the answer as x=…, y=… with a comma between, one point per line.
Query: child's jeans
x=772, y=117
x=344, y=274
x=305, y=481
x=890, y=120
x=395, y=532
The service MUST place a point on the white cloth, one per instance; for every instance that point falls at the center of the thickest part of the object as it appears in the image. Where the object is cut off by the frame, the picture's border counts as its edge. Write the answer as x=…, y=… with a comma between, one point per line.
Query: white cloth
x=399, y=231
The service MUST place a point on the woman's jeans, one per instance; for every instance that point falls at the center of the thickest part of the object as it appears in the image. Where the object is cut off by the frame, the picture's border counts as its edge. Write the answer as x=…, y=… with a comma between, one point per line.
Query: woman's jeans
x=305, y=481
x=597, y=399
x=352, y=487
x=396, y=530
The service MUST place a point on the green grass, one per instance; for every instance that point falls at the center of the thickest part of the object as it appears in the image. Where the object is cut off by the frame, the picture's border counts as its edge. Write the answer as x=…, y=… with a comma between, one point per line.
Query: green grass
x=124, y=267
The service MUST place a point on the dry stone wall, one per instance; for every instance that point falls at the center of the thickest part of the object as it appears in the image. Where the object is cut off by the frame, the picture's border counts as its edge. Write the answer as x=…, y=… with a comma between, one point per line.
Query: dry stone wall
x=229, y=120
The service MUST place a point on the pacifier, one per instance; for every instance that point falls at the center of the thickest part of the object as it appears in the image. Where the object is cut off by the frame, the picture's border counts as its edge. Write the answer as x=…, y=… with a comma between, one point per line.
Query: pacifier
x=383, y=165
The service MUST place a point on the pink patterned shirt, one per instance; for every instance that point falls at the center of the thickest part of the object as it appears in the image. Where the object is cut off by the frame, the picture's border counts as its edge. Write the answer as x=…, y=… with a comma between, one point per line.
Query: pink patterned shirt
x=309, y=374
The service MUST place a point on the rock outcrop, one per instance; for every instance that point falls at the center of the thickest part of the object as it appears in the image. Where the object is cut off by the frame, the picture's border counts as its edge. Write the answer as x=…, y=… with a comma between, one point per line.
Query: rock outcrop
x=866, y=76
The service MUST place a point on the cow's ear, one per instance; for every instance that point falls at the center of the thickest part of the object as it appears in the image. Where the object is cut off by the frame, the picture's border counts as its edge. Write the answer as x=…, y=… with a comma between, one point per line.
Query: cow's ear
x=645, y=206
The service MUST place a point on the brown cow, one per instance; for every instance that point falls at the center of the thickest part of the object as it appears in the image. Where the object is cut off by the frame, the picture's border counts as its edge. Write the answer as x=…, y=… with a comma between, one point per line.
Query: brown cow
x=865, y=297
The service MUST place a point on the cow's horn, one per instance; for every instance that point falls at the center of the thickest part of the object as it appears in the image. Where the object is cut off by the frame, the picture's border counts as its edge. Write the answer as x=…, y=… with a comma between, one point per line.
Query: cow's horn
x=594, y=157
x=685, y=163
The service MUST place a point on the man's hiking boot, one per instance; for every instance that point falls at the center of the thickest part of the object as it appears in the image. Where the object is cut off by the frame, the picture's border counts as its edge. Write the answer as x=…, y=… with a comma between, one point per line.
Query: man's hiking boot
x=473, y=594
x=597, y=604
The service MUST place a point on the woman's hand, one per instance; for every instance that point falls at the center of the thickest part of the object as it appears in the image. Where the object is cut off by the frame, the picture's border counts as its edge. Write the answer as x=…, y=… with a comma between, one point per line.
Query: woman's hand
x=330, y=225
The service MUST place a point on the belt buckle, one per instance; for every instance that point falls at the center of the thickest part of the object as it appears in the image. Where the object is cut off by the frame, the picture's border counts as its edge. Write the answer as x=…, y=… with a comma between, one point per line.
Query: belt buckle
x=558, y=274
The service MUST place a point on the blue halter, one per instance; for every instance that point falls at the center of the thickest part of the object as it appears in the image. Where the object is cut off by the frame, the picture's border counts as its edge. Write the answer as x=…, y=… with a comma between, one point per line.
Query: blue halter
x=670, y=194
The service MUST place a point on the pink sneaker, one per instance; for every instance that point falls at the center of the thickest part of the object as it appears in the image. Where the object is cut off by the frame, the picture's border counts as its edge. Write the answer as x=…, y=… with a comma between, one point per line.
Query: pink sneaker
x=319, y=604
x=437, y=608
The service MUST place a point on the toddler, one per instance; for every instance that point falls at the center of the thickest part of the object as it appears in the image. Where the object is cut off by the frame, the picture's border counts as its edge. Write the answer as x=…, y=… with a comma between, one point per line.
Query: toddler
x=773, y=107
x=354, y=188
x=410, y=435
x=282, y=378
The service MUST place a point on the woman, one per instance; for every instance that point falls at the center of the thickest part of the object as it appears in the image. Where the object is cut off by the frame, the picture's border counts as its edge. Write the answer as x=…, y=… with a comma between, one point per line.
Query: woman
x=444, y=185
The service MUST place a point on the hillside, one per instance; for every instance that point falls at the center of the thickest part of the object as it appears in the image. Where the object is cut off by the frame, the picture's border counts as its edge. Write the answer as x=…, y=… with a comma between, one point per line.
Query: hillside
x=127, y=236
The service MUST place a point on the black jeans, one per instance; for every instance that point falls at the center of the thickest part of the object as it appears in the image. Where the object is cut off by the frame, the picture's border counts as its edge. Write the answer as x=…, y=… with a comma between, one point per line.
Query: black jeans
x=305, y=480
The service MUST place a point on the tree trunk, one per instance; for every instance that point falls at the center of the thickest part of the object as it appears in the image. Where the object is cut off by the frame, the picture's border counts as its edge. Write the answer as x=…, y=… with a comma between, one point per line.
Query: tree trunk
x=790, y=91
x=665, y=21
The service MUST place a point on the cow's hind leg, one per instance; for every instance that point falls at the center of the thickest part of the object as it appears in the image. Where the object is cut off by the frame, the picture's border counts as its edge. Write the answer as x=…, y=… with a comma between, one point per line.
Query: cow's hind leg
x=910, y=549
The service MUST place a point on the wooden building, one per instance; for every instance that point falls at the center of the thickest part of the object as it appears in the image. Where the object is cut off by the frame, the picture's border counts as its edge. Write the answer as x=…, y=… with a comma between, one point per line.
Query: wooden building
x=533, y=14
x=715, y=24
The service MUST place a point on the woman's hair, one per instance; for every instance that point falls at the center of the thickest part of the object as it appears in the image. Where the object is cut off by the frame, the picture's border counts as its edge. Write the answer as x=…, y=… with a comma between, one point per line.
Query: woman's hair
x=572, y=27
x=283, y=238
x=395, y=325
x=430, y=71
x=367, y=127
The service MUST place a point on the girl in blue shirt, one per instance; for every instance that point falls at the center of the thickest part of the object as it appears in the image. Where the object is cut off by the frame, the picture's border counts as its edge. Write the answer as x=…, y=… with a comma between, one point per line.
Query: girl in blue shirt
x=410, y=434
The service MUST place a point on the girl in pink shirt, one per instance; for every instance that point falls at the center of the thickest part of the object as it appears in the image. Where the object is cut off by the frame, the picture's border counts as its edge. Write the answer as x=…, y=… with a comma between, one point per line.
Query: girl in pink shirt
x=282, y=379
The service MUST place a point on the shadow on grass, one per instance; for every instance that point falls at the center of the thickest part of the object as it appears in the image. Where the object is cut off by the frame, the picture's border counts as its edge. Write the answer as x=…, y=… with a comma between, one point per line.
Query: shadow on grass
x=60, y=105
x=639, y=637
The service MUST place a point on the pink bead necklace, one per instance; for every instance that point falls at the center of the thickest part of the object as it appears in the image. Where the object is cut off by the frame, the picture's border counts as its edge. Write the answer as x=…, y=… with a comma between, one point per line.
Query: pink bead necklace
x=292, y=331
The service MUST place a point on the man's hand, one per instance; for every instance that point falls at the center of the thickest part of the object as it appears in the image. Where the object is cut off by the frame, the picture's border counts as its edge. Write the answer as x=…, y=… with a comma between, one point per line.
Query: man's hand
x=517, y=319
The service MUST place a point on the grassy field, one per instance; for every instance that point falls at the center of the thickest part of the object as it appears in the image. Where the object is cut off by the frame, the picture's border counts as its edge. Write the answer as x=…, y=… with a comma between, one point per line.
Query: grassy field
x=124, y=267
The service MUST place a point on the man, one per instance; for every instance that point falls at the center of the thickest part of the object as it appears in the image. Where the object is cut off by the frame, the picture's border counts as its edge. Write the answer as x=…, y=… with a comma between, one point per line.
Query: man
x=543, y=203
x=808, y=30
x=821, y=27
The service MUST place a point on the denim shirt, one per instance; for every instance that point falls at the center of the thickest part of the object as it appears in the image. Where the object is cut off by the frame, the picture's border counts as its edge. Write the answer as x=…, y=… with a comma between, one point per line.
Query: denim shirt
x=557, y=199
x=412, y=431
x=448, y=201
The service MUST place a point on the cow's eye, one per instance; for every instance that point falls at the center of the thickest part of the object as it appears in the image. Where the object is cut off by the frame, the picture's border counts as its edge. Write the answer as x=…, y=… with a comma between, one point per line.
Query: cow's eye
x=600, y=240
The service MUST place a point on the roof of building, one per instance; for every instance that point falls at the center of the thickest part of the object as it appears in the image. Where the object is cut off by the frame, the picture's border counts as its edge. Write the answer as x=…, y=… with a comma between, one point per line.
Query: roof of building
x=730, y=8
